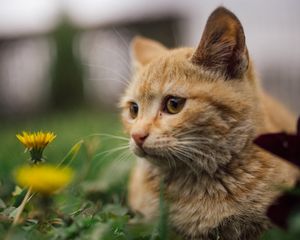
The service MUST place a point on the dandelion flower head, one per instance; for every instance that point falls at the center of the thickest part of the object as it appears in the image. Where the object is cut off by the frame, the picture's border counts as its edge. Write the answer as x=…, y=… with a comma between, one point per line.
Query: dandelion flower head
x=43, y=178
x=37, y=140
x=35, y=143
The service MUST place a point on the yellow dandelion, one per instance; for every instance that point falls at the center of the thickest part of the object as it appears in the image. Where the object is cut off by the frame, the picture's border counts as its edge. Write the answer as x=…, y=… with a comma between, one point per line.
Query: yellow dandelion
x=36, y=140
x=45, y=179
x=36, y=143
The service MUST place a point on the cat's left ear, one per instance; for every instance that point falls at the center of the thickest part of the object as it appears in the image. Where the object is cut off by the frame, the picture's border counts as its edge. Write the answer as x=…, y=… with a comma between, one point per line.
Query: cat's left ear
x=222, y=47
x=144, y=50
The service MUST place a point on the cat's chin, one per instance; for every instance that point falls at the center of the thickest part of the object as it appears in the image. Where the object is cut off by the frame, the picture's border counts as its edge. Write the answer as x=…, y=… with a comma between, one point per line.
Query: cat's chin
x=157, y=160
x=151, y=157
x=139, y=152
x=155, y=157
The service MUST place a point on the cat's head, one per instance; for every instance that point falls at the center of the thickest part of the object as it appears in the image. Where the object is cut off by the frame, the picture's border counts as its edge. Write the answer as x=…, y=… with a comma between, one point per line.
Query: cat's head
x=188, y=107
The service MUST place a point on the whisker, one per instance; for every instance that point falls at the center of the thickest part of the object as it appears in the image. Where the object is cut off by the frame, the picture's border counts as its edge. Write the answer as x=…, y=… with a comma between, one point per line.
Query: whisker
x=169, y=155
x=180, y=133
x=110, y=79
x=122, y=58
x=110, y=151
x=124, y=156
x=178, y=151
x=193, y=142
x=125, y=80
x=109, y=135
x=126, y=45
x=195, y=150
x=169, y=163
x=107, y=153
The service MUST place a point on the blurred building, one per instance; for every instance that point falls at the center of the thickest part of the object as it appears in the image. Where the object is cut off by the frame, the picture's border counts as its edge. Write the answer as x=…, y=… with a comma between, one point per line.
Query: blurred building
x=28, y=50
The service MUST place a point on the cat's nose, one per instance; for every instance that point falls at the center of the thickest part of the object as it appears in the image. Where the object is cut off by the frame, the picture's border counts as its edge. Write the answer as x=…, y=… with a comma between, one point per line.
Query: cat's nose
x=139, y=138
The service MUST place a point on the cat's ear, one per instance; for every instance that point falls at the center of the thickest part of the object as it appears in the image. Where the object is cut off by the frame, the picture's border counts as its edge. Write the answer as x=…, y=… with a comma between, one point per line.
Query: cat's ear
x=222, y=47
x=144, y=50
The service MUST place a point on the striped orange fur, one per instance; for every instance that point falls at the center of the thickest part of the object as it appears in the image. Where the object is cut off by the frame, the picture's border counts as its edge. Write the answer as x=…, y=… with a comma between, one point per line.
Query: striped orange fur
x=217, y=182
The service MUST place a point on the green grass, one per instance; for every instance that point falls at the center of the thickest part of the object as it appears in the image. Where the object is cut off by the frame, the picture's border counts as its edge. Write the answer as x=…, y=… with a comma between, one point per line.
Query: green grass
x=94, y=206
x=69, y=127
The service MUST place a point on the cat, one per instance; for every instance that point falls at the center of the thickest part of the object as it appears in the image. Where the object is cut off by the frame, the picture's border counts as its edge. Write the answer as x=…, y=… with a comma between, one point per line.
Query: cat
x=192, y=115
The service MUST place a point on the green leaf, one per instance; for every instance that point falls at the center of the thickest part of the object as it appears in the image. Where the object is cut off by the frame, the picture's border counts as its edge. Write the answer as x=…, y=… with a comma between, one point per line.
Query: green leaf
x=19, y=198
x=161, y=231
x=114, y=210
x=138, y=229
x=274, y=234
x=13, y=213
x=29, y=225
x=294, y=222
x=68, y=159
x=112, y=178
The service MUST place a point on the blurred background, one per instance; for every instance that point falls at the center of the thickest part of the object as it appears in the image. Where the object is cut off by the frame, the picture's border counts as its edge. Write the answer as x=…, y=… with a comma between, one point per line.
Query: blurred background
x=67, y=54
x=64, y=63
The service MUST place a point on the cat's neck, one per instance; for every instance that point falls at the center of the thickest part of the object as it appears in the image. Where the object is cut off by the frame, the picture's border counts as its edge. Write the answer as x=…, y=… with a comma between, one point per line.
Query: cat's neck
x=240, y=173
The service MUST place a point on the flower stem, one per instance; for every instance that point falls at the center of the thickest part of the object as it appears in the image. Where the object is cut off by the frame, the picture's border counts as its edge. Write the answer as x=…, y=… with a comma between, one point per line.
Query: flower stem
x=21, y=207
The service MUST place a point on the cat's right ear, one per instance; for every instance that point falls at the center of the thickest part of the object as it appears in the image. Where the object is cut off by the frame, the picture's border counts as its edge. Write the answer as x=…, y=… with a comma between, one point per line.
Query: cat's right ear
x=143, y=50
x=223, y=47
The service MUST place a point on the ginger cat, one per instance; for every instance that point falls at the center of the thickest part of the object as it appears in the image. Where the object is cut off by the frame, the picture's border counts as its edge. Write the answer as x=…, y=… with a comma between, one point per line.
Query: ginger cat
x=192, y=115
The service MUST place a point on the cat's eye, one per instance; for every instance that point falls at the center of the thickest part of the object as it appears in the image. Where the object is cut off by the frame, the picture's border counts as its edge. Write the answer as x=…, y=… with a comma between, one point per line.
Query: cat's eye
x=133, y=110
x=173, y=105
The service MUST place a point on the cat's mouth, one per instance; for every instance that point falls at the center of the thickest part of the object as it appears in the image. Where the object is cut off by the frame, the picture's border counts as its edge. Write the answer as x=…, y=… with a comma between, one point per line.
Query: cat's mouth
x=138, y=151
x=150, y=151
x=160, y=157
x=145, y=152
x=153, y=155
